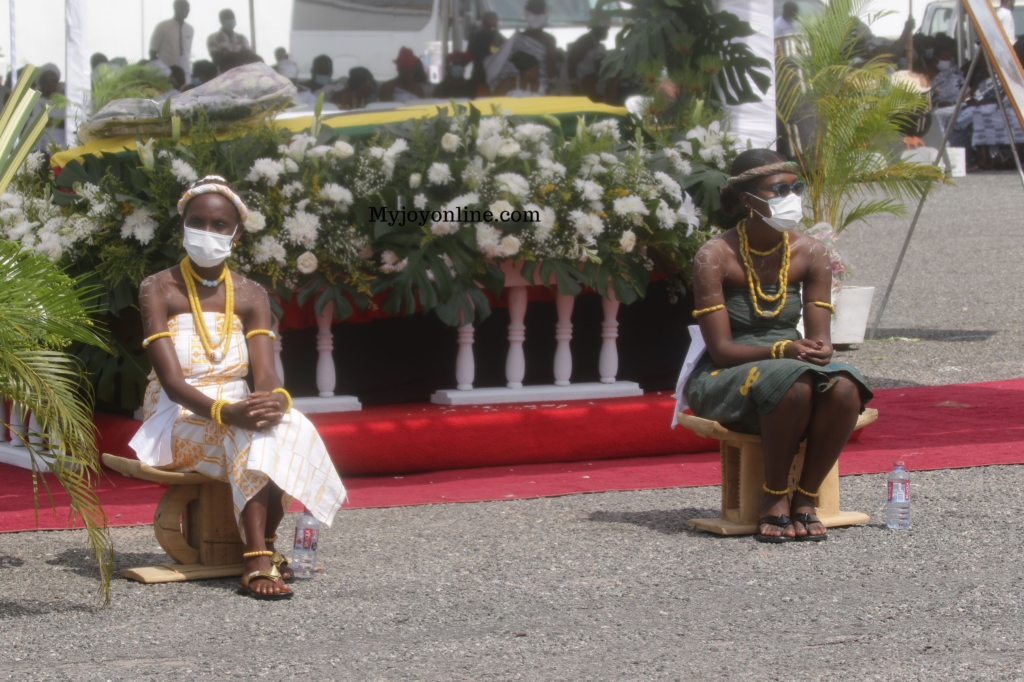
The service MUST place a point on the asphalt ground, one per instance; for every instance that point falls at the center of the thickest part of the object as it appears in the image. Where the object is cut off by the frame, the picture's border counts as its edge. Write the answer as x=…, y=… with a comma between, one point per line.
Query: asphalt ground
x=612, y=586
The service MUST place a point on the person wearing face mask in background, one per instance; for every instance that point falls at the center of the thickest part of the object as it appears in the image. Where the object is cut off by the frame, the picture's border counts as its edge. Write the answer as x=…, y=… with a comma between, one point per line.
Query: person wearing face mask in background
x=226, y=41
x=758, y=374
x=321, y=80
x=205, y=328
x=455, y=84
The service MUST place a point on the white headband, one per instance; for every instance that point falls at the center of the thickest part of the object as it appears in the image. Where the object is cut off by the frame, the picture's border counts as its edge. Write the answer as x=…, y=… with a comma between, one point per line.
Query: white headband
x=211, y=183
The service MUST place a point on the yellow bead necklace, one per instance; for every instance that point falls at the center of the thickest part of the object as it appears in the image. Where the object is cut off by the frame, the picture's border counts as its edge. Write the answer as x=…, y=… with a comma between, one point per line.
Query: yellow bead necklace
x=210, y=345
x=752, y=279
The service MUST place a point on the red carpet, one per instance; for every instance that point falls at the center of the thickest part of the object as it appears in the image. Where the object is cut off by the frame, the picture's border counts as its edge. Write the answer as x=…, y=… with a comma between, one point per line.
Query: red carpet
x=929, y=428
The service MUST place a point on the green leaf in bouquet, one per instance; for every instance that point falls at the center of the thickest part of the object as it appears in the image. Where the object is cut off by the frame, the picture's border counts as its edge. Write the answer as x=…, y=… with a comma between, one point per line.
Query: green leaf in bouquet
x=309, y=289
x=74, y=173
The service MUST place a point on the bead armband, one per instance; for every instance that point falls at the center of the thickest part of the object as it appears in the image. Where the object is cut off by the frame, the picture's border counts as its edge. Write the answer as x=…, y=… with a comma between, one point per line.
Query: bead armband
x=827, y=306
x=705, y=311
x=151, y=339
x=257, y=332
x=215, y=411
x=262, y=552
x=287, y=396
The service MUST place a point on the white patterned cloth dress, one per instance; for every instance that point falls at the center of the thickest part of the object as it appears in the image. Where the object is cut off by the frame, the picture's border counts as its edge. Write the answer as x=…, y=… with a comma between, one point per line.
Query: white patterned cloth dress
x=292, y=455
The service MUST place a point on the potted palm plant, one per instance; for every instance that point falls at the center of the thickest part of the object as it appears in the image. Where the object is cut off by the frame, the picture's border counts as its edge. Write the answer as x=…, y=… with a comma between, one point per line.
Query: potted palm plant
x=846, y=115
x=42, y=311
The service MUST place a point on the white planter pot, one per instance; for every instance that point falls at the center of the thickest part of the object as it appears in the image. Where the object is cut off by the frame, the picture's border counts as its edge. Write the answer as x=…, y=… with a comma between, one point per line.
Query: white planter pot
x=852, y=308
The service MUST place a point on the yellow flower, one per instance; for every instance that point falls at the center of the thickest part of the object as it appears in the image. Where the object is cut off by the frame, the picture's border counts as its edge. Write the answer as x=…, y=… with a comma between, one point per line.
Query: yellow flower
x=547, y=189
x=127, y=208
x=619, y=192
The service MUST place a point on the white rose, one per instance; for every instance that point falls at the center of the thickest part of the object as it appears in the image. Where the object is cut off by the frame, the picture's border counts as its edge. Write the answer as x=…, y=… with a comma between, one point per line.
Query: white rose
x=508, y=148
x=256, y=221
x=343, y=150
x=449, y=142
x=414, y=180
x=306, y=263
x=628, y=241
x=500, y=206
x=510, y=246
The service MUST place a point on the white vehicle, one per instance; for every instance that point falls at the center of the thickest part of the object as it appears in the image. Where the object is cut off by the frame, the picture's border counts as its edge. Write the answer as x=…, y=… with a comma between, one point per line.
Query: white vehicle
x=369, y=33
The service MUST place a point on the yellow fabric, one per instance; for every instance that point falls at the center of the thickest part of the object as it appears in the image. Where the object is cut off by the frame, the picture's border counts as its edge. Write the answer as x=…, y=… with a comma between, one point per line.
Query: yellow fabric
x=519, y=106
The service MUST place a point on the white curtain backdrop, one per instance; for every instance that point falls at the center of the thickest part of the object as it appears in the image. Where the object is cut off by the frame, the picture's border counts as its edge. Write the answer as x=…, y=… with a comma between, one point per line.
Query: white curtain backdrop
x=77, y=75
x=756, y=122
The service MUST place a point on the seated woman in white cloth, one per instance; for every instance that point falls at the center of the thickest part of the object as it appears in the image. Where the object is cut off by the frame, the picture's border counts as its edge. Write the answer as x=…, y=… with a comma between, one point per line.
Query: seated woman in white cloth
x=203, y=324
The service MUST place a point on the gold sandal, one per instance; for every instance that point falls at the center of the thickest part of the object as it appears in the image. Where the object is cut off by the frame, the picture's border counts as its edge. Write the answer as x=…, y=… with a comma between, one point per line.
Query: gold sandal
x=272, y=574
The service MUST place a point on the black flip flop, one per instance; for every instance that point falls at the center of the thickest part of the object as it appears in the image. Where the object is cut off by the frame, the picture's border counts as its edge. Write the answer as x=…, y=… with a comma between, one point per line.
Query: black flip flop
x=807, y=519
x=781, y=521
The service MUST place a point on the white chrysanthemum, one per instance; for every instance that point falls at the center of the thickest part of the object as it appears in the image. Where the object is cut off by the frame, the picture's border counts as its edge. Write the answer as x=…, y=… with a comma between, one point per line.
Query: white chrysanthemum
x=439, y=174
x=302, y=228
x=140, y=225
x=689, y=214
x=15, y=201
x=681, y=165
x=449, y=142
x=530, y=132
x=21, y=229
x=587, y=225
x=489, y=147
x=627, y=241
x=443, y=227
x=713, y=154
x=510, y=246
x=464, y=200
x=415, y=180
x=50, y=244
x=544, y=226
x=306, y=263
x=667, y=217
x=668, y=185
x=508, y=148
x=33, y=162
x=609, y=159
x=513, y=183
x=256, y=222
x=343, y=150
x=548, y=170
x=338, y=194
x=473, y=174
x=606, y=128
x=266, y=169
x=389, y=262
x=591, y=165
x=268, y=249
x=90, y=191
x=292, y=188
x=500, y=206
x=630, y=207
x=488, y=240
x=489, y=127
x=588, y=189
x=183, y=172
x=420, y=201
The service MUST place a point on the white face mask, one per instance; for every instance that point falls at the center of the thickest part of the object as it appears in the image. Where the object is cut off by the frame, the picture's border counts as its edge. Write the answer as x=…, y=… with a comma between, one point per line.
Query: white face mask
x=944, y=65
x=207, y=249
x=536, y=21
x=786, y=212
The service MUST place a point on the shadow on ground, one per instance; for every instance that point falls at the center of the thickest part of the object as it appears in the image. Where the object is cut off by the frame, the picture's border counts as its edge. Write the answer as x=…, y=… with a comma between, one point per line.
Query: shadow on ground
x=948, y=335
x=667, y=521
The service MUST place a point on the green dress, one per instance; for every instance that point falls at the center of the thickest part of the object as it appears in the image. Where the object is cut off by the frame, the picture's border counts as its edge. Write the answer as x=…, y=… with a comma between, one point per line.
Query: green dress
x=738, y=396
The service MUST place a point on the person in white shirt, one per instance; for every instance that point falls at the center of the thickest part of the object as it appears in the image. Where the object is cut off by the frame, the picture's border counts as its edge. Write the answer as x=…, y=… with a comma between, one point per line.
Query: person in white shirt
x=172, y=39
x=1005, y=14
x=225, y=41
x=786, y=25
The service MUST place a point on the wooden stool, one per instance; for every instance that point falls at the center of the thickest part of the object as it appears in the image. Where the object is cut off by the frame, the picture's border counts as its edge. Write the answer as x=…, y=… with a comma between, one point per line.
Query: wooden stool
x=194, y=523
x=743, y=476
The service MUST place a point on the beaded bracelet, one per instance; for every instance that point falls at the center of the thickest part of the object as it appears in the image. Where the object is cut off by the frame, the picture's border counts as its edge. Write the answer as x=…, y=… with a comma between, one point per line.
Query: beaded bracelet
x=215, y=411
x=705, y=311
x=257, y=332
x=804, y=492
x=263, y=552
x=151, y=339
x=287, y=396
x=779, y=349
x=764, y=487
x=827, y=306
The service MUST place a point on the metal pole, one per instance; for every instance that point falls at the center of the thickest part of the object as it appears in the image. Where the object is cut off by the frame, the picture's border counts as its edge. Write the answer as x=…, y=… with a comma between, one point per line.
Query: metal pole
x=1006, y=119
x=920, y=204
x=959, y=39
x=252, y=23
x=14, y=50
x=142, y=30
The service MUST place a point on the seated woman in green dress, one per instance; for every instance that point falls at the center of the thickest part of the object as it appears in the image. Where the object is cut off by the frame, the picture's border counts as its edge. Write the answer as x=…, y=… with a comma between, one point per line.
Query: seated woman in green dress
x=758, y=375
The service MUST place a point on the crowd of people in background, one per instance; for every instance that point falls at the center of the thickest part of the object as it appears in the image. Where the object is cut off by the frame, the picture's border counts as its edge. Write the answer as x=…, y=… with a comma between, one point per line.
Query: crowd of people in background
x=528, y=64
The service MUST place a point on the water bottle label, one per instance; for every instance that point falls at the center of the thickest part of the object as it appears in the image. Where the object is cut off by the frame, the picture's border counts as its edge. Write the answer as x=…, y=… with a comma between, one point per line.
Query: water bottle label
x=306, y=538
x=899, y=491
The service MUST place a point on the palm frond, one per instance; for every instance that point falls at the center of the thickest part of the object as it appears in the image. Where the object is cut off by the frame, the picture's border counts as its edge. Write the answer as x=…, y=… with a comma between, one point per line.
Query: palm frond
x=129, y=81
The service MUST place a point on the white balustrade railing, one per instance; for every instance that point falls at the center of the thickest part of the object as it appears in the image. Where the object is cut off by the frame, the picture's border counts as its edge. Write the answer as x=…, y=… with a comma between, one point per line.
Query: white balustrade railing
x=19, y=425
x=326, y=378
x=515, y=361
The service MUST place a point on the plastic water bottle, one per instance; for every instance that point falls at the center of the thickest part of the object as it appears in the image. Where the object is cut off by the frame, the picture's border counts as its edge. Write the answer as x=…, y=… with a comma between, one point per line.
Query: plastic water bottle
x=897, y=509
x=307, y=536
